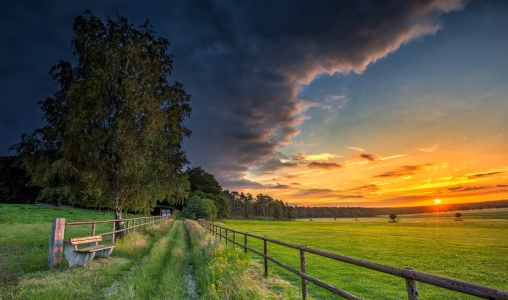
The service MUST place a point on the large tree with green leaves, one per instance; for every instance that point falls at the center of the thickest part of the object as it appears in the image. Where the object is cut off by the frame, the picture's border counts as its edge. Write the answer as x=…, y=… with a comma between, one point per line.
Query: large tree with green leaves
x=116, y=125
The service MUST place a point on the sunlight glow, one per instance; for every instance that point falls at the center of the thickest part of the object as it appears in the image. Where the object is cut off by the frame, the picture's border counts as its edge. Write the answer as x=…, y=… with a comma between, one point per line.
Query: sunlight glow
x=437, y=201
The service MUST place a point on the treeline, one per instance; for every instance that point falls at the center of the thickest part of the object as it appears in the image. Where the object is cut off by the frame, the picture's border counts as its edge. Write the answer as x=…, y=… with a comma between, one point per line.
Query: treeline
x=245, y=206
x=356, y=212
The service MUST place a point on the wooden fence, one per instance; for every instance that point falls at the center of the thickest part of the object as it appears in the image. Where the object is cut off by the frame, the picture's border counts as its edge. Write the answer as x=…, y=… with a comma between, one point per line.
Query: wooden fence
x=409, y=274
x=56, y=240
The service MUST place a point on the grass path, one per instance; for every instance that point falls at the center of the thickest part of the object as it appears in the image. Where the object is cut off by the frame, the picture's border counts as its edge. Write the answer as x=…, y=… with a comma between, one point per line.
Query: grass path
x=159, y=275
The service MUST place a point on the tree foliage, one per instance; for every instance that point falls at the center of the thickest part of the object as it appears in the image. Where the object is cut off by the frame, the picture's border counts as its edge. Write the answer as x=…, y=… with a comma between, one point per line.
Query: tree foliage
x=392, y=217
x=200, y=207
x=205, y=183
x=116, y=125
x=15, y=186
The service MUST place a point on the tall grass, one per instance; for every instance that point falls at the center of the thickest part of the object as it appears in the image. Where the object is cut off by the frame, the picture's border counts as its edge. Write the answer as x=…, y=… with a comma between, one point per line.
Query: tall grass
x=227, y=273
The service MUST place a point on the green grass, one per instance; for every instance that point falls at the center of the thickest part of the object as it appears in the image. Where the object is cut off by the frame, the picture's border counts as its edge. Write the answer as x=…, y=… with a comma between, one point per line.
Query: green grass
x=24, y=243
x=475, y=253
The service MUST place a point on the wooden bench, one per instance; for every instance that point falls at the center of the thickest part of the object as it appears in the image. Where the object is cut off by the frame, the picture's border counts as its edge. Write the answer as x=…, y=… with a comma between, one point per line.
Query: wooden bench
x=80, y=257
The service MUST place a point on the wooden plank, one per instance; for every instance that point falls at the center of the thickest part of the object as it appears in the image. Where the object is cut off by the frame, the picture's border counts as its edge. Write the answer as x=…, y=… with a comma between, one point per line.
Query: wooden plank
x=303, y=265
x=85, y=240
x=56, y=243
x=94, y=249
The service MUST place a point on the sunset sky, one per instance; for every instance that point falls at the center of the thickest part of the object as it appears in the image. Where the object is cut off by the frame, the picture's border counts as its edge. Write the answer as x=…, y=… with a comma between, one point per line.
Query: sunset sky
x=329, y=103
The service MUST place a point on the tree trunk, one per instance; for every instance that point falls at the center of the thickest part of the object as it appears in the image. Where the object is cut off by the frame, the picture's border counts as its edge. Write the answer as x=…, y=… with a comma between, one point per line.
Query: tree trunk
x=119, y=225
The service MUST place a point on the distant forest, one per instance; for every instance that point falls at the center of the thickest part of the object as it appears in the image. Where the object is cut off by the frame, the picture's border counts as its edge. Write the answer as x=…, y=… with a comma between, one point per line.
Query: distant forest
x=245, y=206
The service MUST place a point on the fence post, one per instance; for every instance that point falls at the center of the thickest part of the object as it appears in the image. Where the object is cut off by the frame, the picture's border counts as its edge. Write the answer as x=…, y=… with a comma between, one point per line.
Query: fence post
x=304, y=270
x=93, y=229
x=127, y=231
x=266, y=259
x=226, y=236
x=412, y=288
x=113, y=235
x=234, y=240
x=245, y=244
x=56, y=242
x=220, y=234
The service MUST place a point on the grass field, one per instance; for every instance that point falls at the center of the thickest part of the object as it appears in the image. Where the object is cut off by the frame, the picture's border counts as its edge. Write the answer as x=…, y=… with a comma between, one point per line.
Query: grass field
x=152, y=263
x=474, y=250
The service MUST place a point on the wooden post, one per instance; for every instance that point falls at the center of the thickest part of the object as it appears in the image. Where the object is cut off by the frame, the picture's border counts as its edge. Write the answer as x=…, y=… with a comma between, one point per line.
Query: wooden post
x=226, y=236
x=412, y=288
x=234, y=240
x=245, y=243
x=266, y=259
x=127, y=231
x=93, y=229
x=56, y=242
x=113, y=235
x=220, y=234
x=304, y=270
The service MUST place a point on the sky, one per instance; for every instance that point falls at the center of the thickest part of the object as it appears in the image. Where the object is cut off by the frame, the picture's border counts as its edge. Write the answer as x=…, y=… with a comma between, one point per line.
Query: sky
x=328, y=103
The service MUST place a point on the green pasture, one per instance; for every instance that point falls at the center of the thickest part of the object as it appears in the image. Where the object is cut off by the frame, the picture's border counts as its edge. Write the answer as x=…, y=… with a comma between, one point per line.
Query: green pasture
x=474, y=250
x=25, y=230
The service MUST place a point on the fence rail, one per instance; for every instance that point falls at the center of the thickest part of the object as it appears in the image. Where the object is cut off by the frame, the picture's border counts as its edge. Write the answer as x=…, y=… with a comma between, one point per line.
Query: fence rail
x=56, y=239
x=409, y=274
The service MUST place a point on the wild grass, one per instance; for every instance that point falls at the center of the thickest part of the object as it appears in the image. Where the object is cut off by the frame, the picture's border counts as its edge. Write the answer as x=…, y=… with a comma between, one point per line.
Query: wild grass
x=474, y=253
x=24, y=250
x=228, y=273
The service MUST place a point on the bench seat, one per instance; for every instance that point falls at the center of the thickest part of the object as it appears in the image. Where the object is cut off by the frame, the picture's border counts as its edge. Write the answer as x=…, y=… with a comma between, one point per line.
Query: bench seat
x=94, y=248
x=80, y=257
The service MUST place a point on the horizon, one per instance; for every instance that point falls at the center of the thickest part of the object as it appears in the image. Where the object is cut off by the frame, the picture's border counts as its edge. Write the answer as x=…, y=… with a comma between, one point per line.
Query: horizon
x=340, y=105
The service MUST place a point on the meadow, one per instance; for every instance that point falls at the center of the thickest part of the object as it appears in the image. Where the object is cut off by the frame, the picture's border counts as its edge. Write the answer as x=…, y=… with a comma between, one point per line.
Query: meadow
x=156, y=262
x=474, y=250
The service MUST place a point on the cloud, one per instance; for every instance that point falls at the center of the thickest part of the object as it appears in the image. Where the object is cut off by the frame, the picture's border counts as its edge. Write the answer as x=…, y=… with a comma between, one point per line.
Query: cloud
x=323, y=193
x=366, y=188
x=402, y=171
x=242, y=62
x=273, y=164
x=280, y=186
x=324, y=165
x=469, y=188
x=322, y=156
x=428, y=149
x=480, y=175
x=368, y=156
x=356, y=149
x=502, y=185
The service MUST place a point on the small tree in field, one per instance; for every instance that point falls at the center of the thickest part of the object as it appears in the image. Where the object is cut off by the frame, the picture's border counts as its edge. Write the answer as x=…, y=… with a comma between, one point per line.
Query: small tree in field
x=458, y=216
x=392, y=217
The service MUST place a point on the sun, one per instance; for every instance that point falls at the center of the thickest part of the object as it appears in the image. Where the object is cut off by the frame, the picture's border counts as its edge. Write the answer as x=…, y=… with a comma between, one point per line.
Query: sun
x=437, y=201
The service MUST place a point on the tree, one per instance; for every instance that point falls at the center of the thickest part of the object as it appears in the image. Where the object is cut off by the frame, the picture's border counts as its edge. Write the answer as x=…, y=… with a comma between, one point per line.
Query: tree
x=200, y=180
x=200, y=208
x=15, y=184
x=393, y=217
x=458, y=216
x=115, y=127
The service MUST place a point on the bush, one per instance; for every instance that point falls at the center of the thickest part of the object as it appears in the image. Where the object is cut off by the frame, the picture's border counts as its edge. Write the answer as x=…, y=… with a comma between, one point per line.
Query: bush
x=393, y=217
x=200, y=208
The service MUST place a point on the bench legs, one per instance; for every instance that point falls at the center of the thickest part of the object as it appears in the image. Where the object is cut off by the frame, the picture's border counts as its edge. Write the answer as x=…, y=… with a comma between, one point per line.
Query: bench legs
x=76, y=258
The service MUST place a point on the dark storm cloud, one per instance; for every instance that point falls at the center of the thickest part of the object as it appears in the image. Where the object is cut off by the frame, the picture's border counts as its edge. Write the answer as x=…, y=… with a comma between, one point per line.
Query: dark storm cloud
x=324, y=165
x=241, y=61
x=480, y=175
x=402, y=171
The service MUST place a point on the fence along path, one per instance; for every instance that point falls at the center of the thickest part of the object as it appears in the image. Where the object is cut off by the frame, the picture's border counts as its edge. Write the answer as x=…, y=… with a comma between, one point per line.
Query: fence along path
x=56, y=239
x=409, y=274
